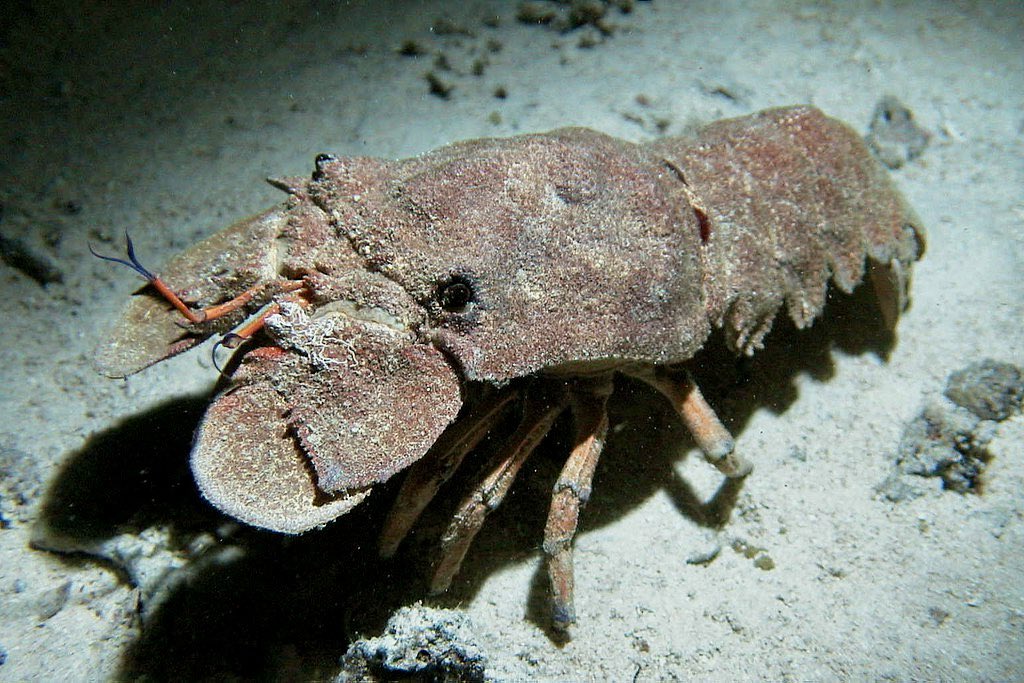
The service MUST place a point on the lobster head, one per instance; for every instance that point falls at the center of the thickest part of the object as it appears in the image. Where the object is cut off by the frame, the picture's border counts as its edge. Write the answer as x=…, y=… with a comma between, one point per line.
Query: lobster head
x=480, y=262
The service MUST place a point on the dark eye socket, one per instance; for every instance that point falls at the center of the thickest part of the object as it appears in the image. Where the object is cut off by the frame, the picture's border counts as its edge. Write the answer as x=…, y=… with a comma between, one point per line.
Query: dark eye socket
x=456, y=294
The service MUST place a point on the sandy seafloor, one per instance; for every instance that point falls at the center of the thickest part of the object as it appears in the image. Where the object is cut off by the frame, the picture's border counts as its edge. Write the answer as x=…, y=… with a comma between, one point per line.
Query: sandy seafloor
x=165, y=121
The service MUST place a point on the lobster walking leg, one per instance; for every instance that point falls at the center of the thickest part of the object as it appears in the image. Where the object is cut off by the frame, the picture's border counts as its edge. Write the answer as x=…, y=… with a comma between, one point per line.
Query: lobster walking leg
x=570, y=494
x=539, y=414
x=708, y=431
x=427, y=475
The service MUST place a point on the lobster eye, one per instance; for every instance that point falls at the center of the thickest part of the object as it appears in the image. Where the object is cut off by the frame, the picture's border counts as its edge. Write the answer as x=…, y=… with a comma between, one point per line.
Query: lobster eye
x=321, y=162
x=456, y=295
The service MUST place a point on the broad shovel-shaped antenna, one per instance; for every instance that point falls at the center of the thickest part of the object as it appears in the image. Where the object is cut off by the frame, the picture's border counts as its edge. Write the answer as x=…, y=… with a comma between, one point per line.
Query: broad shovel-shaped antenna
x=300, y=435
x=220, y=267
x=249, y=465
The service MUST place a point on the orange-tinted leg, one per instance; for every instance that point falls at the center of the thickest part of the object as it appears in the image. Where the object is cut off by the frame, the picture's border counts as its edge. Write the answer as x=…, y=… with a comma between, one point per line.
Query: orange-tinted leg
x=424, y=478
x=193, y=315
x=222, y=309
x=570, y=494
x=538, y=416
x=232, y=340
x=708, y=431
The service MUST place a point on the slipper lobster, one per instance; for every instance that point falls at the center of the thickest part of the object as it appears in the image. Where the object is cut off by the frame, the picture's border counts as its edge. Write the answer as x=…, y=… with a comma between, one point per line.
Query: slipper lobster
x=389, y=313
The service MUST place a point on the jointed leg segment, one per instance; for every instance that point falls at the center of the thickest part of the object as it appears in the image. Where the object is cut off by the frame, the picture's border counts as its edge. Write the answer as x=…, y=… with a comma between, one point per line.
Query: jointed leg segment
x=570, y=494
x=539, y=414
x=425, y=477
x=710, y=434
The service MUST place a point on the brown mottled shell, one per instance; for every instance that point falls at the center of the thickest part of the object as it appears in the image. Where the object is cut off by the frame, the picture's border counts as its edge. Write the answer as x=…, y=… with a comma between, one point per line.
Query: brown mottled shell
x=789, y=198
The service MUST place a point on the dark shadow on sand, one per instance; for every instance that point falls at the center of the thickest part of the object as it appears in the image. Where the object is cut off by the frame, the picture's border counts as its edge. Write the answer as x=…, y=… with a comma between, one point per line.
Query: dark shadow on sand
x=129, y=477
